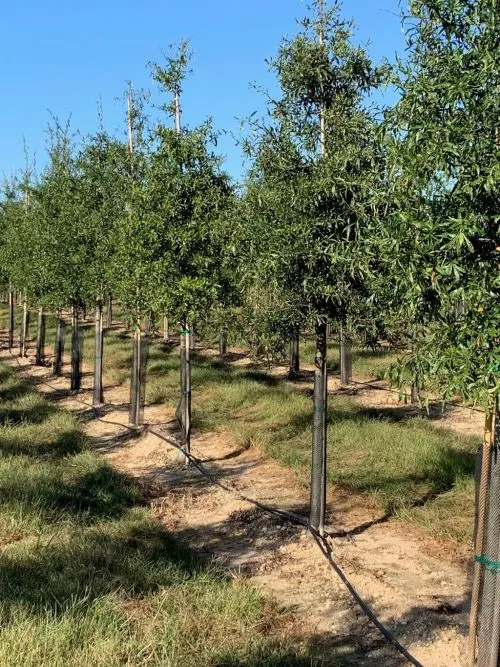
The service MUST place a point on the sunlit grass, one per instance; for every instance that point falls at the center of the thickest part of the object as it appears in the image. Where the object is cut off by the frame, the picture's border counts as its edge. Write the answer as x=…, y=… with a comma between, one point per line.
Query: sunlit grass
x=367, y=363
x=88, y=578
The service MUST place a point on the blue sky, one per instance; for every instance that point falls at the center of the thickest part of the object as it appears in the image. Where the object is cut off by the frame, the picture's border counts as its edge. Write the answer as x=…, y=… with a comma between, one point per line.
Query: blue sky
x=62, y=56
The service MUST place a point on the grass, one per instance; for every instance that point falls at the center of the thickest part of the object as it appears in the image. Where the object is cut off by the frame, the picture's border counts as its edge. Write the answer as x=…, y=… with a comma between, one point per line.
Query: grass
x=88, y=578
x=366, y=363
x=407, y=464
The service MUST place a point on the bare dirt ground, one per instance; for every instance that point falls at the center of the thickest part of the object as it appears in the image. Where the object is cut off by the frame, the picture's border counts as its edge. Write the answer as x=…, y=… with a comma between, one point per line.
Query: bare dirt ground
x=418, y=589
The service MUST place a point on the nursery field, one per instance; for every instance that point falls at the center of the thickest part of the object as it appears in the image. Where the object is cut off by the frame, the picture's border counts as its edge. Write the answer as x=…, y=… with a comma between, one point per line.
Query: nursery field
x=89, y=578
x=251, y=416
x=393, y=453
x=108, y=567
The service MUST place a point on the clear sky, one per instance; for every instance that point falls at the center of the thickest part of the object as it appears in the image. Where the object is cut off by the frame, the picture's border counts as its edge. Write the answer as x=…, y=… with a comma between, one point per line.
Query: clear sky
x=62, y=56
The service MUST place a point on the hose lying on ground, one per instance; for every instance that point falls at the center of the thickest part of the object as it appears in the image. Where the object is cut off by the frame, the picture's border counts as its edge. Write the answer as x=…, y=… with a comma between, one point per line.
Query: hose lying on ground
x=321, y=541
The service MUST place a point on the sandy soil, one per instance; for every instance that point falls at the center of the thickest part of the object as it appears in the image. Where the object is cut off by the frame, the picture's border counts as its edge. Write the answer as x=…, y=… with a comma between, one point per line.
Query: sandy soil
x=416, y=587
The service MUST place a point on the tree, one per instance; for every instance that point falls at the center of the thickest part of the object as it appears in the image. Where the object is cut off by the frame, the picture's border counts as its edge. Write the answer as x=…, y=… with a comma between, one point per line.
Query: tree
x=442, y=239
x=188, y=196
x=101, y=167
x=309, y=191
x=59, y=240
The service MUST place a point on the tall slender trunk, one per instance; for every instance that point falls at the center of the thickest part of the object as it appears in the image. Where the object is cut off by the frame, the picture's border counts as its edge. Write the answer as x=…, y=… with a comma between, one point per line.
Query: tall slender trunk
x=151, y=323
x=345, y=358
x=183, y=412
x=109, y=311
x=187, y=402
x=59, y=344
x=318, y=464
x=76, y=361
x=182, y=378
x=222, y=342
x=484, y=632
x=40, y=338
x=24, y=327
x=11, y=319
x=98, y=394
x=166, y=334
x=415, y=386
x=294, y=361
x=191, y=337
x=136, y=377
x=415, y=392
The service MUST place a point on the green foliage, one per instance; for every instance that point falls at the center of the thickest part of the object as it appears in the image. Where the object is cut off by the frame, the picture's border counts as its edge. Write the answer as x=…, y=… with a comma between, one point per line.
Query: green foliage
x=170, y=243
x=102, y=180
x=309, y=218
x=442, y=238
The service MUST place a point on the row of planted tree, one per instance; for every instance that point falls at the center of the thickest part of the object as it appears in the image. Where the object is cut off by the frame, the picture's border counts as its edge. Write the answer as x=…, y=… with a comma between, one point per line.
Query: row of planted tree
x=381, y=220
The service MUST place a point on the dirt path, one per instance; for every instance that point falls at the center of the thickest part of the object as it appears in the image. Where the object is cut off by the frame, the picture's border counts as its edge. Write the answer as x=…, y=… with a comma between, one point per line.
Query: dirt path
x=401, y=573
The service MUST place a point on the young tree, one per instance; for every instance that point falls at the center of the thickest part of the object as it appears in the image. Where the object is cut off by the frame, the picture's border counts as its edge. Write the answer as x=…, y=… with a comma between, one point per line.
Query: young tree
x=101, y=167
x=442, y=239
x=60, y=243
x=134, y=269
x=13, y=222
x=188, y=198
x=310, y=189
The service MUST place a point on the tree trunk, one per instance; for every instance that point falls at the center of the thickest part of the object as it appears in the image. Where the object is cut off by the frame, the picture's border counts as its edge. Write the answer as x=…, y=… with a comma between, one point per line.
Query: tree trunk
x=183, y=412
x=345, y=359
x=294, y=362
x=318, y=464
x=179, y=413
x=40, y=338
x=109, y=312
x=166, y=334
x=191, y=337
x=24, y=327
x=136, y=376
x=76, y=361
x=98, y=394
x=59, y=345
x=187, y=403
x=150, y=323
x=222, y=343
x=415, y=392
x=11, y=320
x=484, y=632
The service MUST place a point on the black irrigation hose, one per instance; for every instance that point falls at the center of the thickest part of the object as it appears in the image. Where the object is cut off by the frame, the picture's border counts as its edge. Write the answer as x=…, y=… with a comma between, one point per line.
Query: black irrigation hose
x=327, y=552
x=322, y=543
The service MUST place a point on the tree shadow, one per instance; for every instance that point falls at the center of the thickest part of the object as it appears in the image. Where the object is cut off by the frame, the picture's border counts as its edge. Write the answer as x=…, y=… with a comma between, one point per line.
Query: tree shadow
x=248, y=542
x=13, y=390
x=58, y=445
x=135, y=557
x=55, y=494
x=34, y=414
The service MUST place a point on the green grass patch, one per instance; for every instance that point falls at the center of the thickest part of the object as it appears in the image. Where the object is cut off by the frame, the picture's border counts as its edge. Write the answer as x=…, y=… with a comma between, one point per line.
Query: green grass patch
x=367, y=363
x=88, y=578
x=400, y=460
